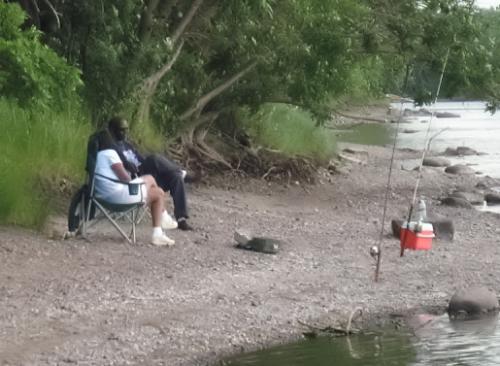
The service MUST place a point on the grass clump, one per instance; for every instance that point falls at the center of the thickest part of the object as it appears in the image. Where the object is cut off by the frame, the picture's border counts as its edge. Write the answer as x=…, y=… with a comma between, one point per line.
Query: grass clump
x=292, y=131
x=39, y=149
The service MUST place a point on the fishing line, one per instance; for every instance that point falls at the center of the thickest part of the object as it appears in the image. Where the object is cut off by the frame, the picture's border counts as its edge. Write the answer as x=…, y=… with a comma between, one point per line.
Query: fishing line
x=427, y=145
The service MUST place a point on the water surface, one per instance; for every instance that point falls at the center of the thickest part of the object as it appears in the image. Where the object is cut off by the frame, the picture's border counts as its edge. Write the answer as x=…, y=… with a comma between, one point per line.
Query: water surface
x=437, y=341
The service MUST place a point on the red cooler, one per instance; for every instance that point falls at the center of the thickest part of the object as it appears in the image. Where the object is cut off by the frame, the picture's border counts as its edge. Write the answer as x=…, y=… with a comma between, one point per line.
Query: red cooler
x=417, y=237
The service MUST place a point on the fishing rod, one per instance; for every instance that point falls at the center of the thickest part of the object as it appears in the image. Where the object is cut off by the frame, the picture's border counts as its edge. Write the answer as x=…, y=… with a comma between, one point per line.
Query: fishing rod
x=376, y=251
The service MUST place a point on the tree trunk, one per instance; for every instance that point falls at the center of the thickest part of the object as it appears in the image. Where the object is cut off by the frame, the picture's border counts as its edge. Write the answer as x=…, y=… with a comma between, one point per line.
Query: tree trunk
x=146, y=21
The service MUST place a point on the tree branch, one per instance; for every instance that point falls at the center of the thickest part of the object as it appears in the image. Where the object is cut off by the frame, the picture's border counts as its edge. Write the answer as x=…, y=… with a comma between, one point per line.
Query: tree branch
x=203, y=101
x=186, y=20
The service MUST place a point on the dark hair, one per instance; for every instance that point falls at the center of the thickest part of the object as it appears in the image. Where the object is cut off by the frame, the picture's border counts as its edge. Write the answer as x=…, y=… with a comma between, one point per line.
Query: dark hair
x=105, y=141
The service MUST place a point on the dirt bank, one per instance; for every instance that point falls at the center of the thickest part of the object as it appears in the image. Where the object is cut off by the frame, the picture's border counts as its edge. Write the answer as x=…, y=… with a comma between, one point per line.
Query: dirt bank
x=103, y=302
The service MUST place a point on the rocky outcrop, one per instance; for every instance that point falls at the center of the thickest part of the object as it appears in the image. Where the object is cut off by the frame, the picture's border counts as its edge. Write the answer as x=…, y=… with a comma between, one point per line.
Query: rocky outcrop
x=435, y=161
x=459, y=169
x=472, y=302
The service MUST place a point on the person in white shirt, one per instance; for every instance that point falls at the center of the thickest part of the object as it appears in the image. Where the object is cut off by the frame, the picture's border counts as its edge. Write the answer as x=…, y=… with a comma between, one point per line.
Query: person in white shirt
x=110, y=176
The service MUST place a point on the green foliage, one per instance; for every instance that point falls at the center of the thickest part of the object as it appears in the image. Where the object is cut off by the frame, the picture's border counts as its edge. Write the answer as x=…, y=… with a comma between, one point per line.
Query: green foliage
x=30, y=72
x=292, y=131
x=37, y=149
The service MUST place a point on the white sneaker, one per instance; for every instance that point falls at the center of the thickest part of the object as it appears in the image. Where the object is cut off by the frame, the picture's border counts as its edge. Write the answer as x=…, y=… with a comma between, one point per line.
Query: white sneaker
x=162, y=240
x=167, y=222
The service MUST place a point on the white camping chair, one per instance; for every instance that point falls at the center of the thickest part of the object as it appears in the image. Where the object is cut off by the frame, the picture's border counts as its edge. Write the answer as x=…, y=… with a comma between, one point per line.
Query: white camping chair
x=86, y=209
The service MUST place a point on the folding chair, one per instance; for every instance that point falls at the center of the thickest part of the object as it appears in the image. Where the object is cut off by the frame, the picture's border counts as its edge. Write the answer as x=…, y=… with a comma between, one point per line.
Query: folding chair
x=86, y=209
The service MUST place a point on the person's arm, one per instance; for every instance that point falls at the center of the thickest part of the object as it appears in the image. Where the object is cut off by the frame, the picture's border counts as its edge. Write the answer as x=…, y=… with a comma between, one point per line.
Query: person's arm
x=120, y=172
x=137, y=153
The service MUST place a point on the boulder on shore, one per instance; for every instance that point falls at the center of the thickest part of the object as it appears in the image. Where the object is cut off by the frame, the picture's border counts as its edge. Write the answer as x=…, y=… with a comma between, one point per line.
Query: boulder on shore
x=435, y=161
x=459, y=169
x=472, y=302
x=446, y=115
x=460, y=151
x=454, y=201
x=492, y=198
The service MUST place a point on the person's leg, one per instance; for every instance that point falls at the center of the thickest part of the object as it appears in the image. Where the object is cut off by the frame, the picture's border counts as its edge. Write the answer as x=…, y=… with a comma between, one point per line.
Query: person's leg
x=169, y=177
x=156, y=199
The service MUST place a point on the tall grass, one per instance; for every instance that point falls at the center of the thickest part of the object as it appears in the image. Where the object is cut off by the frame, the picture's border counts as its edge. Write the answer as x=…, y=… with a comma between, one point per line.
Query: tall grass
x=292, y=131
x=37, y=147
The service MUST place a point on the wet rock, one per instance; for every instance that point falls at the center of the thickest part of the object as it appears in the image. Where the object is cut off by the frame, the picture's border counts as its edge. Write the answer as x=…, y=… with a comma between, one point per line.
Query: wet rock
x=436, y=161
x=492, y=198
x=416, y=113
x=443, y=229
x=472, y=302
x=446, y=115
x=460, y=151
x=456, y=202
x=459, y=169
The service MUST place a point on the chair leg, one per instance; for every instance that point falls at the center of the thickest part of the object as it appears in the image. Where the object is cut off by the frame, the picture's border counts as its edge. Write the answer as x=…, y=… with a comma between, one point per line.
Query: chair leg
x=133, y=227
x=117, y=227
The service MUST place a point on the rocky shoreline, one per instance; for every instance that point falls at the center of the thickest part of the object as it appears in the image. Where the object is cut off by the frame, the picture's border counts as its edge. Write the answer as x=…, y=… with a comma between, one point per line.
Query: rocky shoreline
x=102, y=302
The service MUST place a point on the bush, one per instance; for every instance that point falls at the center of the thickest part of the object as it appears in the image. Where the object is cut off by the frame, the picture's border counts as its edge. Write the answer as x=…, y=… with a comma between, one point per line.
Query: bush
x=292, y=131
x=38, y=149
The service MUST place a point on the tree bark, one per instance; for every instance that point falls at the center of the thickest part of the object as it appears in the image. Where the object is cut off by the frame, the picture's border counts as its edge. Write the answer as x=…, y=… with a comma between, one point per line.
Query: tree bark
x=146, y=21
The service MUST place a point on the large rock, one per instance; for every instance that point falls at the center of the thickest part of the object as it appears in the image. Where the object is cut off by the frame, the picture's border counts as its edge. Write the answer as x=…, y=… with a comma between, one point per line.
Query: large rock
x=456, y=202
x=472, y=302
x=460, y=151
x=473, y=198
x=492, y=198
x=459, y=169
x=443, y=229
x=446, y=115
x=436, y=161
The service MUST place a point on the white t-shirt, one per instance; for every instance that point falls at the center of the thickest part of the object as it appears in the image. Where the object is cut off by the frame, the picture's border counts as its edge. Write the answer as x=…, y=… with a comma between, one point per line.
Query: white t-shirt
x=113, y=191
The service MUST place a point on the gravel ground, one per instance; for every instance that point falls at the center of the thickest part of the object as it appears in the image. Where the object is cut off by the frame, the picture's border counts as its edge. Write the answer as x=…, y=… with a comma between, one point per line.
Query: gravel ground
x=103, y=302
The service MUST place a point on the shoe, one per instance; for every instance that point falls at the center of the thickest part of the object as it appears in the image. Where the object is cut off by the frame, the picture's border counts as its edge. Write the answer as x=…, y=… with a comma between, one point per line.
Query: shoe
x=183, y=225
x=190, y=178
x=162, y=240
x=167, y=222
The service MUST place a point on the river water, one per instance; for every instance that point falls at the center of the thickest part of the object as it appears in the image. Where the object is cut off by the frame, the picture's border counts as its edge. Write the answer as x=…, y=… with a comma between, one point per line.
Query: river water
x=474, y=128
x=437, y=342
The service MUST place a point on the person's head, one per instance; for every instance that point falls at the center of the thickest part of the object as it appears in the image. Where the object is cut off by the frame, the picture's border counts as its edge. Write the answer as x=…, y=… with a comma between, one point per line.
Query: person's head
x=105, y=141
x=118, y=126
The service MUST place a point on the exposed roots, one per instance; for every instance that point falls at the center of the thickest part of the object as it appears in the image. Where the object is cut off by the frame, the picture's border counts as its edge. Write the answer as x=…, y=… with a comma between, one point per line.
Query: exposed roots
x=201, y=151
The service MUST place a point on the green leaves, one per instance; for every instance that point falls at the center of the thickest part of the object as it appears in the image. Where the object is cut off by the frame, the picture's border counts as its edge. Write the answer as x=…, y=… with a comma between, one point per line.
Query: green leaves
x=30, y=72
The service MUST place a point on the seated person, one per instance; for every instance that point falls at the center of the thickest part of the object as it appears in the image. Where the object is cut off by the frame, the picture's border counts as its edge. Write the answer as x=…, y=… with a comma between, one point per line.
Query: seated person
x=169, y=176
x=110, y=172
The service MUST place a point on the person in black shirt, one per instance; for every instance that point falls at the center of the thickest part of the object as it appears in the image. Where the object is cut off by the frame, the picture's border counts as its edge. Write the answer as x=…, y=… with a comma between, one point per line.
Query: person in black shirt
x=168, y=175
